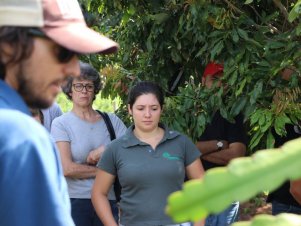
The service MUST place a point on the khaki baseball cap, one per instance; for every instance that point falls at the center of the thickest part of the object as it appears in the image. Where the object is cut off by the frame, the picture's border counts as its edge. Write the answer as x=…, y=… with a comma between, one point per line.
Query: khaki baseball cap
x=61, y=20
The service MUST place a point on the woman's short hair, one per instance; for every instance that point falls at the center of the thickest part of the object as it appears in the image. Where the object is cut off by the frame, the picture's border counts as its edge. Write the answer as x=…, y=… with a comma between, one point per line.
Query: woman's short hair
x=145, y=87
x=87, y=72
x=21, y=42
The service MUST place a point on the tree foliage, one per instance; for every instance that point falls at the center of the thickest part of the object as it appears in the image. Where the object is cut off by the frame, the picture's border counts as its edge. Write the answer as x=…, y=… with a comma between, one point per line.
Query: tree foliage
x=170, y=42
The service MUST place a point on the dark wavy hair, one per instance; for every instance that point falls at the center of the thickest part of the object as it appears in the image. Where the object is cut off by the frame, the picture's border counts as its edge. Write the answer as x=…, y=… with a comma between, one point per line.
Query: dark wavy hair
x=21, y=42
x=145, y=87
x=87, y=72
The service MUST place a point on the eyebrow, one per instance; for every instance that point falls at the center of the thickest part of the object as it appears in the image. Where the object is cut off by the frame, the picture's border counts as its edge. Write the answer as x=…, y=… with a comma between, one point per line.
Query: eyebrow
x=84, y=83
x=143, y=105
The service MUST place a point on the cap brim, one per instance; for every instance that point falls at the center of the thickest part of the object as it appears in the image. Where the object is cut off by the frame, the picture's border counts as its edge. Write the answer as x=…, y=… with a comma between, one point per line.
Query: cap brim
x=79, y=38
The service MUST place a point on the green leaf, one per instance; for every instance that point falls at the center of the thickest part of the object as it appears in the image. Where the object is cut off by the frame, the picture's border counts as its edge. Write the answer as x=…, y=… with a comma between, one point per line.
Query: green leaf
x=217, y=49
x=262, y=120
x=280, y=122
x=243, y=34
x=176, y=57
x=242, y=179
x=276, y=44
x=255, y=117
x=238, y=106
x=149, y=43
x=256, y=92
x=298, y=29
x=267, y=123
x=131, y=10
x=270, y=140
x=241, y=86
x=284, y=219
x=255, y=139
x=159, y=18
x=235, y=36
x=295, y=12
x=248, y=2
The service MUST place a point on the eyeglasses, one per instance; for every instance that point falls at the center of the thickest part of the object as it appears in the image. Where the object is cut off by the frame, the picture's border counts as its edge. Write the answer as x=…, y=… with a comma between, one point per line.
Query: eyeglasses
x=63, y=55
x=78, y=87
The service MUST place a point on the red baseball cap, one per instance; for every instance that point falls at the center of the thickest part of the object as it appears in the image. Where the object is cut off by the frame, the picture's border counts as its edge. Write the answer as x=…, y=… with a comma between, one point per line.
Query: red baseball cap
x=61, y=20
x=213, y=69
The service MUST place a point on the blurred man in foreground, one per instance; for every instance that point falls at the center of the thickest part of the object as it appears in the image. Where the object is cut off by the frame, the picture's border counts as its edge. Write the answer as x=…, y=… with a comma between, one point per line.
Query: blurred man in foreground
x=39, y=40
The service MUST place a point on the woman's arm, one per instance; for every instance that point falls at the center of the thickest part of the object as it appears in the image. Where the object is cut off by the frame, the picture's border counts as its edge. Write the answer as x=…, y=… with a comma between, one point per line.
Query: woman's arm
x=72, y=169
x=196, y=171
x=101, y=187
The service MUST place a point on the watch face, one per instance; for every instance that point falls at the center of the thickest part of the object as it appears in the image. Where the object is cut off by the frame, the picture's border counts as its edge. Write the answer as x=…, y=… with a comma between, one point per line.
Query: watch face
x=220, y=145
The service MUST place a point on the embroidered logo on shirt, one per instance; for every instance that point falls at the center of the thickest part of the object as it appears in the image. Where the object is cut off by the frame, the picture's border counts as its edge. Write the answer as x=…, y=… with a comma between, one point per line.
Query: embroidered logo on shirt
x=170, y=157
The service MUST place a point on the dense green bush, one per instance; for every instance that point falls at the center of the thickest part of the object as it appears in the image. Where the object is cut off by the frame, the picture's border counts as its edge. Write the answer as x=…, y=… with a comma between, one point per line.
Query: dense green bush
x=170, y=42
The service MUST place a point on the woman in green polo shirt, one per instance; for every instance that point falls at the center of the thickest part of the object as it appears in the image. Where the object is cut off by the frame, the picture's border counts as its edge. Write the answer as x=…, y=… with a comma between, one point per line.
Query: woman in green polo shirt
x=150, y=160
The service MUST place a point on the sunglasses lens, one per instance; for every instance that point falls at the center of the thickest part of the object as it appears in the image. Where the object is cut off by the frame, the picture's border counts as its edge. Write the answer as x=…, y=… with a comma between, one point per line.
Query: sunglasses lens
x=65, y=55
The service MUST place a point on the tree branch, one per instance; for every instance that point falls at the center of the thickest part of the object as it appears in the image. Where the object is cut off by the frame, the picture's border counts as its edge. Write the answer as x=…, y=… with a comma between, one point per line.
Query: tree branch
x=282, y=8
x=274, y=29
x=233, y=7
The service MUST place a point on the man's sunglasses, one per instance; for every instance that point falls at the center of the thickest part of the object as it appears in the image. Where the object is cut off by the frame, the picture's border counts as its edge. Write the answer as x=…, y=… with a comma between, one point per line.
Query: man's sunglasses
x=63, y=55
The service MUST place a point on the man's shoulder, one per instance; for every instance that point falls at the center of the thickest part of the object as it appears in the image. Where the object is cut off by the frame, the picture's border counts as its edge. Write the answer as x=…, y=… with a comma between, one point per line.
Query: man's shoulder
x=17, y=127
x=13, y=119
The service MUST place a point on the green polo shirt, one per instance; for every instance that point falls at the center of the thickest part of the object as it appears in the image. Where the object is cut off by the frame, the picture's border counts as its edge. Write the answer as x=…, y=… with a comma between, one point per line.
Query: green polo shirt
x=148, y=176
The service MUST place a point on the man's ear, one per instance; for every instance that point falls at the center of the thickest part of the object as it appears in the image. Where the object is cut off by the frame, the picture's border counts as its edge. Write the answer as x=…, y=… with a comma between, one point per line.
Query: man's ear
x=6, y=53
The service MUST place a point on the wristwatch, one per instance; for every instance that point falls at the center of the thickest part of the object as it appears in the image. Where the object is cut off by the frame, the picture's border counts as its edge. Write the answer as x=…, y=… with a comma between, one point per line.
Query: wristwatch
x=219, y=145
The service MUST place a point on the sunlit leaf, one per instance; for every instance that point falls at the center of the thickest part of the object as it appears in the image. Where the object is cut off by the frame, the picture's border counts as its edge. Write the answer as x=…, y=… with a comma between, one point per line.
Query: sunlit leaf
x=284, y=219
x=242, y=179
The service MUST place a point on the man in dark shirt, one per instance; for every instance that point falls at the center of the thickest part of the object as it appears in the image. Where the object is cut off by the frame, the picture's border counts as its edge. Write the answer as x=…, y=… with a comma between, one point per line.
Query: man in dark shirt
x=282, y=199
x=221, y=142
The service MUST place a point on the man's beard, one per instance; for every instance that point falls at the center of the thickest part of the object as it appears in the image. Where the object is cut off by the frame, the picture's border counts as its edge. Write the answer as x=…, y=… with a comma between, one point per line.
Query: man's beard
x=26, y=90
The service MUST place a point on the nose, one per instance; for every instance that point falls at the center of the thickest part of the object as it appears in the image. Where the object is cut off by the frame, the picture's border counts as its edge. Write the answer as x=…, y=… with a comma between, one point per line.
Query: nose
x=84, y=89
x=147, y=113
x=72, y=68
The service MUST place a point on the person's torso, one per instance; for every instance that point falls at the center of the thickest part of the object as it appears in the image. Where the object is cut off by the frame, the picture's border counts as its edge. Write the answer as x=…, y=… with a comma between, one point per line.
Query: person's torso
x=147, y=177
x=221, y=129
x=83, y=137
x=30, y=167
x=282, y=194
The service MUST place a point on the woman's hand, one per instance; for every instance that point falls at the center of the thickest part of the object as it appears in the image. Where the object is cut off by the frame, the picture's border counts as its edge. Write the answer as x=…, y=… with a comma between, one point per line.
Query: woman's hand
x=199, y=223
x=95, y=155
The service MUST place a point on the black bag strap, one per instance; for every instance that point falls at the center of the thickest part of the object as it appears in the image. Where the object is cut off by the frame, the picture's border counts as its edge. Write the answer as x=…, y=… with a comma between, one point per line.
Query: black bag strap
x=108, y=123
x=107, y=120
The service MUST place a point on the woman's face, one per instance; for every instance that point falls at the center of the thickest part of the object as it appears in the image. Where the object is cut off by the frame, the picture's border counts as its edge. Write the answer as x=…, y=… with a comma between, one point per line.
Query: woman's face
x=82, y=92
x=146, y=112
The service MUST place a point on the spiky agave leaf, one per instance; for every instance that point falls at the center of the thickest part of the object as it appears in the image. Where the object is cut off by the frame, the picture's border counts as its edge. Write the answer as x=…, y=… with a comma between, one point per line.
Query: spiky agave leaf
x=242, y=179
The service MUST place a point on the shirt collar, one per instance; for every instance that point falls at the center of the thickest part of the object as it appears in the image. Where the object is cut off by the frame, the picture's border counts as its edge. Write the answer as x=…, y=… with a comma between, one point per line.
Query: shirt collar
x=10, y=99
x=131, y=140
